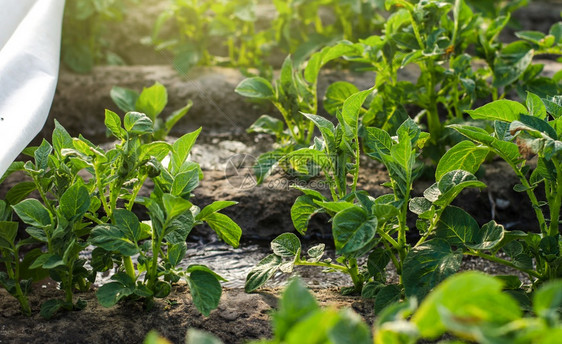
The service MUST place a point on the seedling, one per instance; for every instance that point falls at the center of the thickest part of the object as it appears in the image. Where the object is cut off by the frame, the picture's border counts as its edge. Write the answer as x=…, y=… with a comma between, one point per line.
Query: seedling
x=75, y=211
x=151, y=101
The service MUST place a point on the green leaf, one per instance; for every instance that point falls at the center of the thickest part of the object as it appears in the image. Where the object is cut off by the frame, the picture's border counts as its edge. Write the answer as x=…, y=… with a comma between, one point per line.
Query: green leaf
x=205, y=290
x=316, y=252
x=427, y=265
x=326, y=128
x=324, y=56
x=533, y=124
x=465, y=155
x=226, y=229
x=507, y=150
x=213, y=208
x=124, y=98
x=267, y=125
x=110, y=293
x=175, y=116
x=75, y=202
x=554, y=105
x=467, y=302
x=536, y=106
x=113, y=123
x=158, y=149
x=457, y=226
x=42, y=155
x=32, y=212
x=185, y=182
x=350, y=329
x=152, y=101
x=181, y=149
x=377, y=262
x=175, y=205
x=50, y=308
x=112, y=238
x=262, y=272
x=61, y=139
x=488, y=237
x=128, y=223
x=386, y=296
x=256, y=87
x=336, y=94
x=377, y=143
x=302, y=211
x=548, y=300
x=501, y=110
x=137, y=123
x=353, y=229
x=352, y=108
x=296, y=304
x=195, y=336
x=452, y=183
x=19, y=192
x=265, y=164
x=198, y=267
x=286, y=245
x=8, y=232
x=512, y=62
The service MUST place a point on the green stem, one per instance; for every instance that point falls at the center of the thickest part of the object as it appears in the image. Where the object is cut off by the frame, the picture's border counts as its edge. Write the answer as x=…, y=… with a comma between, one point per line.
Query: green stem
x=69, y=285
x=135, y=192
x=101, y=190
x=353, y=271
x=15, y=276
x=323, y=264
x=403, y=225
x=555, y=203
x=357, y=163
x=530, y=194
x=503, y=262
x=129, y=267
x=288, y=121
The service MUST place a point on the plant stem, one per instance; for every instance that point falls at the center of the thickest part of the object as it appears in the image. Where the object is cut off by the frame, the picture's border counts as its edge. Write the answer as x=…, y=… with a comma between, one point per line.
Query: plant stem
x=530, y=194
x=129, y=267
x=323, y=264
x=135, y=192
x=503, y=262
x=101, y=189
x=555, y=202
x=15, y=276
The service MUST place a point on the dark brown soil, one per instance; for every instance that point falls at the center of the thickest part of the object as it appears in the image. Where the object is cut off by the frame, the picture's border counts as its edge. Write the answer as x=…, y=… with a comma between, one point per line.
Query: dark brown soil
x=239, y=318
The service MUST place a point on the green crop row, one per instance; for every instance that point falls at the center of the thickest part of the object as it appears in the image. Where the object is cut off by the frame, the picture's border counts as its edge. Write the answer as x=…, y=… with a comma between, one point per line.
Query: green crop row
x=470, y=307
x=86, y=198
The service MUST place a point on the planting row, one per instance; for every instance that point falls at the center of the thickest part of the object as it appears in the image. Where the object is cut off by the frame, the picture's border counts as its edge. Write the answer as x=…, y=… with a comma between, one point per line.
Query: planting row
x=470, y=306
x=243, y=34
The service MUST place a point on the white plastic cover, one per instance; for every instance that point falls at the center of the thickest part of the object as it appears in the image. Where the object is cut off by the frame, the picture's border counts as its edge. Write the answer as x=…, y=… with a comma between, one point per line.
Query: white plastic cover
x=30, y=34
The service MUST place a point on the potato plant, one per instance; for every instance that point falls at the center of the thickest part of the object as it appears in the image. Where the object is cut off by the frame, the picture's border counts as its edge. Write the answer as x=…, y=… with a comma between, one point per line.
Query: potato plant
x=293, y=94
x=363, y=225
x=151, y=101
x=84, y=27
x=519, y=133
x=245, y=42
x=470, y=307
x=87, y=195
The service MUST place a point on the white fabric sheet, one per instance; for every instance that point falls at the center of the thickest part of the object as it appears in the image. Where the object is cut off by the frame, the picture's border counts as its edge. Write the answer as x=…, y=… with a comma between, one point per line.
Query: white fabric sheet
x=30, y=35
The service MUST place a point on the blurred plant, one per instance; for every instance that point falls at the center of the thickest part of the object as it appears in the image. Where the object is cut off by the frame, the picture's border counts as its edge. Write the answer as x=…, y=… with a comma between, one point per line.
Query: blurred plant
x=84, y=29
